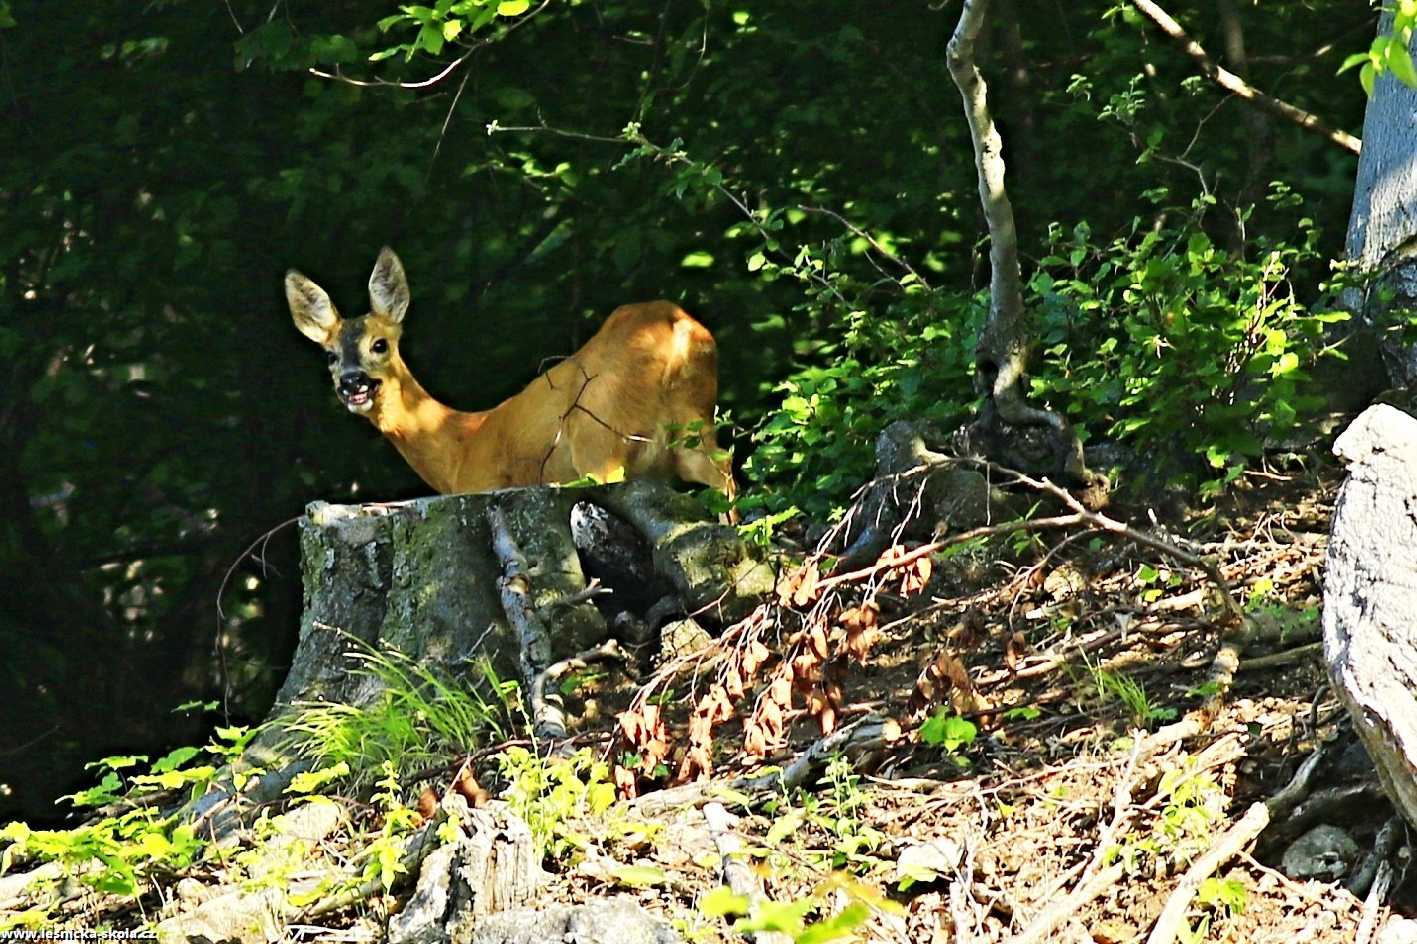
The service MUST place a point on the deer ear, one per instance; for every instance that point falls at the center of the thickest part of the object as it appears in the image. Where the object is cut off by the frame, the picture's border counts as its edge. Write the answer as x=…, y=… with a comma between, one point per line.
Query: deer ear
x=388, y=287
x=310, y=307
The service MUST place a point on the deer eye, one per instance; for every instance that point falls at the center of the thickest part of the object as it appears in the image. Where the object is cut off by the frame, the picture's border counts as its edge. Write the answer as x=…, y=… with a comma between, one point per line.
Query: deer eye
x=380, y=346
x=331, y=357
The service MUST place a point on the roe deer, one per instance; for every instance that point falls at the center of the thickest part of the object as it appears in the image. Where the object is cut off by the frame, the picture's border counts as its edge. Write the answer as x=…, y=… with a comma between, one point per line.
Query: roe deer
x=637, y=398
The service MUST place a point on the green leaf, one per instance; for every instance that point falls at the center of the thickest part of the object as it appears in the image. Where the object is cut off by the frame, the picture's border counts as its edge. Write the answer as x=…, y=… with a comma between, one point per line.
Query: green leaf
x=512, y=7
x=841, y=925
x=451, y=29
x=430, y=38
x=785, y=826
x=1399, y=60
x=723, y=901
x=639, y=876
x=697, y=260
x=756, y=261
x=1353, y=61
x=174, y=759
x=1366, y=77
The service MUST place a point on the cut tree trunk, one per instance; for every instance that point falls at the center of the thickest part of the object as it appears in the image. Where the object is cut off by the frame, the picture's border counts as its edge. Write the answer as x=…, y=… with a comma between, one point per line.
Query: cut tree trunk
x=422, y=576
x=1370, y=595
x=451, y=580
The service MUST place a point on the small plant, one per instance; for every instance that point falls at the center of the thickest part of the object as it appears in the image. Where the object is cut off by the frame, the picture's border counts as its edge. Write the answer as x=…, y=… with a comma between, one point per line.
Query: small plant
x=552, y=793
x=1114, y=686
x=949, y=732
x=416, y=718
x=118, y=854
x=854, y=841
x=791, y=918
x=1183, y=828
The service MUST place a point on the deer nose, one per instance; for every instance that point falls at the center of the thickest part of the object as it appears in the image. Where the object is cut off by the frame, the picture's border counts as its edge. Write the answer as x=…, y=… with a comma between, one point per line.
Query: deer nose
x=353, y=381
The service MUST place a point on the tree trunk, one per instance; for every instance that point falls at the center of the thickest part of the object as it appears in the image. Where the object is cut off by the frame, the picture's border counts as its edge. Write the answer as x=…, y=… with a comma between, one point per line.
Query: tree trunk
x=1383, y=224
x=1001, y=353
x=1370, y=595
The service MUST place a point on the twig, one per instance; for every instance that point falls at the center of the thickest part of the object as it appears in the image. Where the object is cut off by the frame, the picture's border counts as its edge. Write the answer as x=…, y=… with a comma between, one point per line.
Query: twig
x=858, y=231
x=1297, y=654
x=442, y=74
x=737, y=874
x=1063, y=908
x=548, y=717
x=1234, y=84
x=592, y=590
x=1173, y=916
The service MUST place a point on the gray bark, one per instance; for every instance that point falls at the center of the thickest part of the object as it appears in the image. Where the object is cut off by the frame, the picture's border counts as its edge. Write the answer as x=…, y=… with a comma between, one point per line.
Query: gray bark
x=1382, y=229
x=1370, y=595
x=1001, y=354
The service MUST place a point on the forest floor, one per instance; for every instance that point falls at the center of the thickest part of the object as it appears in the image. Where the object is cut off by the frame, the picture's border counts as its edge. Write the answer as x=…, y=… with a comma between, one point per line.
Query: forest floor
x=1079, y=783
x=1072, y=747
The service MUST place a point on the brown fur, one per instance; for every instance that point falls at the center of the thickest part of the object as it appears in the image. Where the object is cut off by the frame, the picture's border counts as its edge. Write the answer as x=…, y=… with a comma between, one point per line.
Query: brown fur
x=606, y=409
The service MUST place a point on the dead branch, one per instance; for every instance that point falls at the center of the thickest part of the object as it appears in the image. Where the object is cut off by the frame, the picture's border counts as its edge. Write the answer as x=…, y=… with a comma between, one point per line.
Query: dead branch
x=1239, y=87
x=1275, y=659
x=737, y=874
x=534, y=641
x=548, y=716
x=1173, y=916
x=1064, y=908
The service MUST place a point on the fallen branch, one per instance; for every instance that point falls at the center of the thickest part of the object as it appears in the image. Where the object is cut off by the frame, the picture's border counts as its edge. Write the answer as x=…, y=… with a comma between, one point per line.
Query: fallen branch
x=414, y=852
x=737, y=874
x=1173, y=916
x=1064, y=908
x=1275, y=659
x=548, y=715
x=1239, y=87
x=533, y=640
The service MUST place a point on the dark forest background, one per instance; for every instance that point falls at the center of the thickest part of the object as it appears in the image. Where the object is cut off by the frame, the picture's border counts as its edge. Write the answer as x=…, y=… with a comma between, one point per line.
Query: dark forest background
x=165, y=163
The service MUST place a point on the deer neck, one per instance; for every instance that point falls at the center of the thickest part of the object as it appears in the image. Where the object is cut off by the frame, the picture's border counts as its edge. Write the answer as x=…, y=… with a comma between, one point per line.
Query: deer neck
x=427, y=433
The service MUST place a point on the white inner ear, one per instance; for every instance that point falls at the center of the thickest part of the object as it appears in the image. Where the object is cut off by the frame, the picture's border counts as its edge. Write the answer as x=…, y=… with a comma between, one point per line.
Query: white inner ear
x=310, y=307
x=388, y=287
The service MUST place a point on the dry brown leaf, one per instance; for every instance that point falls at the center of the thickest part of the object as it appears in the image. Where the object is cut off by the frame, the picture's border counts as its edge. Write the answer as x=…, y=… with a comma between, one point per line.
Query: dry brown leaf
x=626, y=782
x=861, y=630
x=473, y=792
x=916, y=576
x=427, y=803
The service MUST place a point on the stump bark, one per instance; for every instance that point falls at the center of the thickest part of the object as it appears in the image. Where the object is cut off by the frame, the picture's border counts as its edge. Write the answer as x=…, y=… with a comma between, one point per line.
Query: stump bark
x=1370, y=595
x=426, y=576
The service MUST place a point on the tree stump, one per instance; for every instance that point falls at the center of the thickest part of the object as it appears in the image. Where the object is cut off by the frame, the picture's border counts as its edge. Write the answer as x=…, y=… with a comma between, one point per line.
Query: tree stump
x=423, y=576
x=1370, y=595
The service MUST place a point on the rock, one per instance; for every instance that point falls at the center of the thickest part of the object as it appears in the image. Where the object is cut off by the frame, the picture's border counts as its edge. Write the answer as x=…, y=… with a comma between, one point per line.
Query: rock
x=237, y=917
x=682, y=637
x=1325, y=853
x=1370, y=595
x=618, y=920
